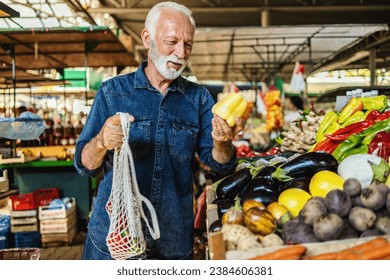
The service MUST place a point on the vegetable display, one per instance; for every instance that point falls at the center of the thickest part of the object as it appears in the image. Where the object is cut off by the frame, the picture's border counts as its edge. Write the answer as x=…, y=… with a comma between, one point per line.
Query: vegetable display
x=338, y=189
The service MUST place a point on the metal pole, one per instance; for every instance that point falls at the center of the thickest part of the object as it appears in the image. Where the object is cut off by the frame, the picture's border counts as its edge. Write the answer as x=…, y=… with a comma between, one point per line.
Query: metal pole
x=372, y=65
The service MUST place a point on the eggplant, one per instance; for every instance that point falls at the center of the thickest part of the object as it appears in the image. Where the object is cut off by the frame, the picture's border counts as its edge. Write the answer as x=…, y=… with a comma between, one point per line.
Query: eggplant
x=306, y=165
x=299, y=183
x=232, y=185
x=213, y=176
x=215, y=226
x=266, y=173
x=254, y=185
x=265, y=196
x=223, y=204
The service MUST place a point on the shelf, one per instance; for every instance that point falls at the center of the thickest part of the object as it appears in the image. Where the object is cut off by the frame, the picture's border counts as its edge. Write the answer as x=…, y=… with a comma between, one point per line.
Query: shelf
x=39, y=163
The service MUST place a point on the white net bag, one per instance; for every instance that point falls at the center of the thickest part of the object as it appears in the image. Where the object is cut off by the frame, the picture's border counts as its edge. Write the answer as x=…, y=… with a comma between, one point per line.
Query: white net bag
x=125, y=238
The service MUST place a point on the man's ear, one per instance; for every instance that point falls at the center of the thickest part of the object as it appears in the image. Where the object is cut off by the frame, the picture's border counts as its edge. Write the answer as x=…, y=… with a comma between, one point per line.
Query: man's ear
x=145, y=35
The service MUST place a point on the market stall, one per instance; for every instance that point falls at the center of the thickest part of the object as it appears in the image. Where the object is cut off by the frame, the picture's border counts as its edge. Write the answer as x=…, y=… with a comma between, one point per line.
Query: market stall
x=327, y=195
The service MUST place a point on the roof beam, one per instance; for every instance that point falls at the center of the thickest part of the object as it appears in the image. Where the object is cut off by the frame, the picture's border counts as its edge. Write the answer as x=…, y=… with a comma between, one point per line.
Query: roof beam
x=253, y=9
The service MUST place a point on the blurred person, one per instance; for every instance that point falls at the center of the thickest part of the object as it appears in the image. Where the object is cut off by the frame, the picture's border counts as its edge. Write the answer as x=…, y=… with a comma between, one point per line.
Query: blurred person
x=171, y=122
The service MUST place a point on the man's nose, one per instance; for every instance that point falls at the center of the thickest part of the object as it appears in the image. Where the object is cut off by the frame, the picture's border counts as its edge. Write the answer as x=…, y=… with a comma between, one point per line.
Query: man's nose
x=180, y=50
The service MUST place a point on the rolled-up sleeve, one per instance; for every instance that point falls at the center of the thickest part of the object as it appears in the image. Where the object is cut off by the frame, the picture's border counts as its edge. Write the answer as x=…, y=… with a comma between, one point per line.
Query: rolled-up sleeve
x=96, y=118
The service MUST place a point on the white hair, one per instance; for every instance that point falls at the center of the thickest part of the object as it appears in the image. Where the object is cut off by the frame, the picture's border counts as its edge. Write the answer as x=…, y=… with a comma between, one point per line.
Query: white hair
x=155, y=12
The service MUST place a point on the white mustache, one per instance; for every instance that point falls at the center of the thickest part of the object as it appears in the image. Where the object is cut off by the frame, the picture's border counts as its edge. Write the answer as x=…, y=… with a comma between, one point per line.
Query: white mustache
x=173, y=58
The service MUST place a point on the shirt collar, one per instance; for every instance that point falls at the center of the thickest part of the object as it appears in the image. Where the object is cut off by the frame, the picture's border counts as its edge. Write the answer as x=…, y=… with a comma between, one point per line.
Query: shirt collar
x=142, y=81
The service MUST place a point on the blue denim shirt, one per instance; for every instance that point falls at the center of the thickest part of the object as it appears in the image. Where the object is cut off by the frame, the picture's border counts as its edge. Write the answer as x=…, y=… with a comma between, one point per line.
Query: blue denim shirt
x=167, y=132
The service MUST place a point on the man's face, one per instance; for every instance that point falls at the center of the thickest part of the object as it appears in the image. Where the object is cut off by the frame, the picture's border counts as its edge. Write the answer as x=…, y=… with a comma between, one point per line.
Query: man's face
x=172, y=45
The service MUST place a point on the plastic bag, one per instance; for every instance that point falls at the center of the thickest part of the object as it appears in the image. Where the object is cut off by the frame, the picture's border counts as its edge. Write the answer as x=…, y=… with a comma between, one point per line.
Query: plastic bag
x=28, y=126
x=125, y=238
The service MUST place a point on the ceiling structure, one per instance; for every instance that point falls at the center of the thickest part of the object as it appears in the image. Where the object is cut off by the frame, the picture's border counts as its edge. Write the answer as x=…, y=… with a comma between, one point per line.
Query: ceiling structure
x=276, y=33
x=240, y=40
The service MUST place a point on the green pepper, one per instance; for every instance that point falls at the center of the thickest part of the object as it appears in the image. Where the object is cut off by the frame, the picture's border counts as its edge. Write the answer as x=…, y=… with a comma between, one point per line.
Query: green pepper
x=362, y=149
x=370, y=132
x=327, y=121
x=375, y=103
x=354, y=105
x=351, y=142
x=356, y=117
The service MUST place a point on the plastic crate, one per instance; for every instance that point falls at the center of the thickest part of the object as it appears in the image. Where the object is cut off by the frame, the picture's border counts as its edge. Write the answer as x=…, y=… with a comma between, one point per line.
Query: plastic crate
x=20, y=254
x=22, y=202
x=27, y=239
x=45, y=196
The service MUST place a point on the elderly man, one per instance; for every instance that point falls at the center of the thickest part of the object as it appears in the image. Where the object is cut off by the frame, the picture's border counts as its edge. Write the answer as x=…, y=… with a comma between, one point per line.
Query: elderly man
x=171, y=121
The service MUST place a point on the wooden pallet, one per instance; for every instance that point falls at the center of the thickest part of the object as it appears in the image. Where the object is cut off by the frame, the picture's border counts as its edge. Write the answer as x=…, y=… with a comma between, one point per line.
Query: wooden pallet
x=58, y=239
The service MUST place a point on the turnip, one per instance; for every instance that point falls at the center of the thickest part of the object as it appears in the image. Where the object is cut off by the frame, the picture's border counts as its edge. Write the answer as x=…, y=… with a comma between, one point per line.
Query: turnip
x=352, y=187
x=348, y=231
x=329, y=227
x=373, y=197
x=365, y=168
x=383, y=224
x=356, y=201
x=372, y=232
x=296, y=231
x=338, y=202
x=361, y=218
x=313, y=209
x=388, y=204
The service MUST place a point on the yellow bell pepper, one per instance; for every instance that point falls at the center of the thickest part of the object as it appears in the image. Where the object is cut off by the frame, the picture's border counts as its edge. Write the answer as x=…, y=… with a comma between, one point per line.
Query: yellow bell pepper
x=356, y=117
x=378, y=103
x=330, y=118
x=354, y=105
x=230, y=107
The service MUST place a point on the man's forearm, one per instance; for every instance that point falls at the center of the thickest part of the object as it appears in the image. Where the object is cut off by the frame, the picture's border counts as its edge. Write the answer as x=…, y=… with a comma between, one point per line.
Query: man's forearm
x=93, y=154
x=223, y=151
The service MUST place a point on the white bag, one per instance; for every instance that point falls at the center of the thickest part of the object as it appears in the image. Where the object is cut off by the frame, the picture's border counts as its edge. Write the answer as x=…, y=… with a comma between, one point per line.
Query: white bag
x=125, y=238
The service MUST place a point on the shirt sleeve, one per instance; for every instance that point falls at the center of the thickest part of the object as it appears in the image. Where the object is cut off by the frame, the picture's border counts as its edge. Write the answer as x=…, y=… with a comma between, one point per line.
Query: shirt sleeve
x=96, y=118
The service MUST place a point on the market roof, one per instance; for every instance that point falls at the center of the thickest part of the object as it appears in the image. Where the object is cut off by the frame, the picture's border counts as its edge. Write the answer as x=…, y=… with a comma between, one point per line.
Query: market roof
x=24, y=79
x=252, y=53
x=64, y=48
x=259, y=20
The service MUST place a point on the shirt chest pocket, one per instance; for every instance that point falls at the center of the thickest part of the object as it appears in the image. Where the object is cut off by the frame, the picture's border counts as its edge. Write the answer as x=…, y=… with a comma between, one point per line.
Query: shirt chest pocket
x=183, y=142
x=140, y=137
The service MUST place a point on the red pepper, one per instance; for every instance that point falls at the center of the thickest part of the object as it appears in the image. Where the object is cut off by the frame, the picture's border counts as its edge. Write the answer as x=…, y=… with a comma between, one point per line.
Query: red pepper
x=380, y=145
x=382, y=117
x=373, y=115
x=345, y=132
x=326, y=145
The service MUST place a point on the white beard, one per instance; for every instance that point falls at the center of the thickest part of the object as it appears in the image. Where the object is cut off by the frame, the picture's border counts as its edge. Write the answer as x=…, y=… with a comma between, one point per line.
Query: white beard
x=161, y=63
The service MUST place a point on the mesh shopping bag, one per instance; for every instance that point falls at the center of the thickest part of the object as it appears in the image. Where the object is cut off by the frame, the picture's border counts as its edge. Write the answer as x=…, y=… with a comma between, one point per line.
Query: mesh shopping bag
x=125, y=238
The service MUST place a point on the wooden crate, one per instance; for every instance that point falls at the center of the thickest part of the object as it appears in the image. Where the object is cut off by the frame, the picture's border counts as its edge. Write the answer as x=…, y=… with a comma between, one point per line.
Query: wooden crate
x=24, y=221
x=58, y=225
x=217, y=251
x=56, y=212
x=59, y=239
x=4, y=182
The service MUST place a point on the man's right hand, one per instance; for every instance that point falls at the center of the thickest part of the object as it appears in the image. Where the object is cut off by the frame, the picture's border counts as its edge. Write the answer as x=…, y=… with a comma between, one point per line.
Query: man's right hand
x=111, y=134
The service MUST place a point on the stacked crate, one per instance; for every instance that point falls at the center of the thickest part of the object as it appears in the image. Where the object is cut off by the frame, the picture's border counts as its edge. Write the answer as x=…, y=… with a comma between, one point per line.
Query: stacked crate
x=24, y=216
x=4, y=231
x=58, y=223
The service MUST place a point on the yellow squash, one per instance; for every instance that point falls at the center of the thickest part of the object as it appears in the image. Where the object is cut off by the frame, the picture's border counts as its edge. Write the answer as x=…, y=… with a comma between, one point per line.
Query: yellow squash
x=324, y=181
x=260, y=221
x=294, y=199
x=230, y=107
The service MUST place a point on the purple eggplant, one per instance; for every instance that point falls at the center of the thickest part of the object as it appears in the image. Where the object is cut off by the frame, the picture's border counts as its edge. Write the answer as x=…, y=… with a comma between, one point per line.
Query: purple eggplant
x=232, y=185
x=223, y=204
x=300, y=183
x=265, y=196
x=306, y=165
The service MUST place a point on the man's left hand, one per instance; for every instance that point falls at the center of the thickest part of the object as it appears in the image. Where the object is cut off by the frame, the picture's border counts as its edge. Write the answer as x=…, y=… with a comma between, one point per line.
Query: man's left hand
x=222, y=132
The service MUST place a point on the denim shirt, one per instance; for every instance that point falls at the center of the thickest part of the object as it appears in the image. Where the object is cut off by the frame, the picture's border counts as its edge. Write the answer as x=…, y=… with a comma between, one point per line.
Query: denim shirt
x=167, y=132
